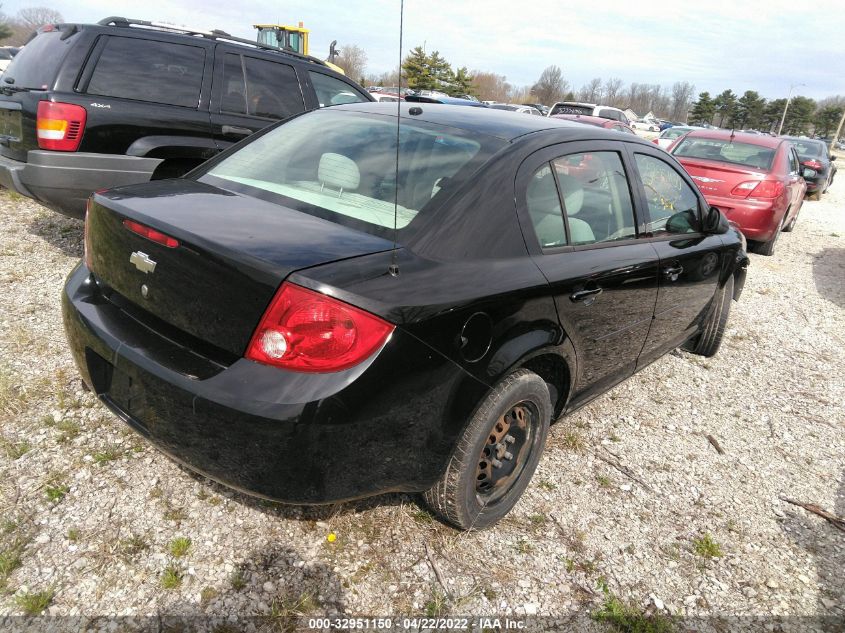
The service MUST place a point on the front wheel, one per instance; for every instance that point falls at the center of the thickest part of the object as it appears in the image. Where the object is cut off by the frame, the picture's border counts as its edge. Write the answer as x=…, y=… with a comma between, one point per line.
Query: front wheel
x=768, y=248
x=496, y=455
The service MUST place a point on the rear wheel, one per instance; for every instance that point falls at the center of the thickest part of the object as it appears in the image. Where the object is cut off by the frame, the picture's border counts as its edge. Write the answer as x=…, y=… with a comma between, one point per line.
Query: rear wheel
x=768, y=248
x=788, y=228
x=710, y=339
x=497, y=454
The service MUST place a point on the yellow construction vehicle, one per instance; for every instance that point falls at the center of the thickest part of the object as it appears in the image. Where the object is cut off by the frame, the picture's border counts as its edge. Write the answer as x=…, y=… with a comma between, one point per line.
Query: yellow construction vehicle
x=292, y=38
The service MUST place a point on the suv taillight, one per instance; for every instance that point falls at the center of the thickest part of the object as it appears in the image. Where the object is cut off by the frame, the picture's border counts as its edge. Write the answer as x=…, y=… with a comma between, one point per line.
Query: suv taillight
x=303, y=330
x=813, y=164
x=60, y=125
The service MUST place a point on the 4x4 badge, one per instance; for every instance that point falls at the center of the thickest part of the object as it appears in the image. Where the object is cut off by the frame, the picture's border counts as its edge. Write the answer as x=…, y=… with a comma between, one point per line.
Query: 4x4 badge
x=142, y=262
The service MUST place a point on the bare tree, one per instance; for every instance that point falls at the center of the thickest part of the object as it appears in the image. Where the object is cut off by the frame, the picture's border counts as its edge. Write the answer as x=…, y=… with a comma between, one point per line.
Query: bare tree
x=490, y=86
x=613, y=92
x=682, y=95
x=33, y=18
x=591, y=91
x=353, y=60
x=551, y=86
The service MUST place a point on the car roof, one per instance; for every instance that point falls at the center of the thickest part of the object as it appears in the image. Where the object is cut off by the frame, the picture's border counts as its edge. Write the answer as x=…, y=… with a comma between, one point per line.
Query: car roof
x=743, y=137
x=489, y=121
x=804, y=139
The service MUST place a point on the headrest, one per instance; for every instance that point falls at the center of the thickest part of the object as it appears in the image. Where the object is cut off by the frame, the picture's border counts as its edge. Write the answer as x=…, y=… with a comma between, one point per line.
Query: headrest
x=339, y=172
x=573, y=193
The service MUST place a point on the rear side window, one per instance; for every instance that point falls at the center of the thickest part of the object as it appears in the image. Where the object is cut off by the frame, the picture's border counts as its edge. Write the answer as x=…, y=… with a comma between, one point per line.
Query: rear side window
x=544, y=208
x=37, y=65
x=272, y=89
x=607, y=113
x=331, y=91
x=147, y=70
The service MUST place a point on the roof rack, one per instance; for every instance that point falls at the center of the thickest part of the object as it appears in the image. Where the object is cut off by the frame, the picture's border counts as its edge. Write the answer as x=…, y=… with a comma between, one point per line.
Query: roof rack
x=215, y=34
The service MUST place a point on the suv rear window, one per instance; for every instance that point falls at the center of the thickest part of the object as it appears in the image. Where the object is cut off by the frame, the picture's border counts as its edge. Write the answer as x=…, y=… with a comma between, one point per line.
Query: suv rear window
x=562, y=108
x=148, y=70
x=37, y=65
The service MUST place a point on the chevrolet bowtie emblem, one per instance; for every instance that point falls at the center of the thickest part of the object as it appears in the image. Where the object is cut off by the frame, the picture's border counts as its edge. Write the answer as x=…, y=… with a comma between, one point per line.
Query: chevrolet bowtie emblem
x=142, y=262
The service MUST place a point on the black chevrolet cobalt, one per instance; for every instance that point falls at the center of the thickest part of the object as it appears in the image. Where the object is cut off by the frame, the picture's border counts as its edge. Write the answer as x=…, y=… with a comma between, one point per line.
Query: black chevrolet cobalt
x=305, y=320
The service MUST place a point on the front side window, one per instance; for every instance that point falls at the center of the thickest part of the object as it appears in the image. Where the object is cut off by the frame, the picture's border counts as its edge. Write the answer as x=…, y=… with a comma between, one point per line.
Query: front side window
x=331, y=91
x=596, y=197
x=148, y=70
x=672, y=204
x=341, y=166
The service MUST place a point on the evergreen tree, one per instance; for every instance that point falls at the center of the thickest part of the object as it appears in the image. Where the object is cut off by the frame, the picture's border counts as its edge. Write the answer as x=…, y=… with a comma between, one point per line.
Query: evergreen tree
x=462, y=83
x=702, y=110
x=827, y=119
x=725, y=105
x=749, y=110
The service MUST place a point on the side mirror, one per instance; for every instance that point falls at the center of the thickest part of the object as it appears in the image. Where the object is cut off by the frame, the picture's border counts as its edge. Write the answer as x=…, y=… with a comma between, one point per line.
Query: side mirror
x=715, y=222
x=808, y=173
x=833, y=158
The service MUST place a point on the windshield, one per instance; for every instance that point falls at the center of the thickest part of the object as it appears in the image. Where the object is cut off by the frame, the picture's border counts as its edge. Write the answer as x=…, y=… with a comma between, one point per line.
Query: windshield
x=745, y=154
x=341, y=166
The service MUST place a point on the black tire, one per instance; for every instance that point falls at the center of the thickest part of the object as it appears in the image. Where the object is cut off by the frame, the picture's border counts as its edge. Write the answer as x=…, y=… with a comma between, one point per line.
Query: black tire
x=788, y=228
x=710, y=339
x=768, y=248
x=460, y=496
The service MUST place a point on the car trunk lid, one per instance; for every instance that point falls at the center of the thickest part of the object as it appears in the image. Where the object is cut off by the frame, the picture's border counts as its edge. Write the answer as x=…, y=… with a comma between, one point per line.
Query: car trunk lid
x=718, y=178
x=230, y=254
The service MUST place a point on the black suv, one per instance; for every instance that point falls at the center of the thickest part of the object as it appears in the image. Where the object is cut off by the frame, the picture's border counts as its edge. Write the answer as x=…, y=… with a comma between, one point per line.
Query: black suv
x=85, y=107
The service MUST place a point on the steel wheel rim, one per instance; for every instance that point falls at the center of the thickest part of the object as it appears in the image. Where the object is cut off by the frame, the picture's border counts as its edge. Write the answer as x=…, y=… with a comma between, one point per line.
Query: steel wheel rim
x=505, y=453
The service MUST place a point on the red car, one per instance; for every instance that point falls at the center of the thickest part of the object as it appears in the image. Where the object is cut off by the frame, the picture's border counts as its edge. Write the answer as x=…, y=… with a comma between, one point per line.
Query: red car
x=754, y=180
x=598, y=121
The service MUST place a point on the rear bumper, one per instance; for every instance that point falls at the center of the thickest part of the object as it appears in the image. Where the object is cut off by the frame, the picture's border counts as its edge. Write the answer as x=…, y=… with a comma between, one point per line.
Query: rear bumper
x=63, y=181
x=757, y=219
x=389, y=424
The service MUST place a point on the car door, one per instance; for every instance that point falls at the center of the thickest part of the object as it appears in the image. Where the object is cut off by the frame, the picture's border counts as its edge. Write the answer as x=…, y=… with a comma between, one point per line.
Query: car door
x=250, y=93
x=690, y=259
x=576, y=211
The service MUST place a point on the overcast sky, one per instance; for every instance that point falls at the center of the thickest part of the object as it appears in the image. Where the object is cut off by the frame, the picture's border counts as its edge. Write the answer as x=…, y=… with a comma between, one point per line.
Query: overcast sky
x=743, y=45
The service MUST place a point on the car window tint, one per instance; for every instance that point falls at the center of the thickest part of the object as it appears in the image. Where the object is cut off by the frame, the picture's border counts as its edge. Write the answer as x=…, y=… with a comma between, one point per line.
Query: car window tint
x=672, y=204
x=746, y=154
x=272, y=89
x=233, y=98
x=596, y=197
x=147, y=70
x=544, y=208
x=331, y=91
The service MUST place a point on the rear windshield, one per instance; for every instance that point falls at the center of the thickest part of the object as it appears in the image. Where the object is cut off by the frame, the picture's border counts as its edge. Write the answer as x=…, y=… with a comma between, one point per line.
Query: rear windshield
x=37, y=64
x=561, y=108
x=341, y=166
x=745, y=154
x=809, y=149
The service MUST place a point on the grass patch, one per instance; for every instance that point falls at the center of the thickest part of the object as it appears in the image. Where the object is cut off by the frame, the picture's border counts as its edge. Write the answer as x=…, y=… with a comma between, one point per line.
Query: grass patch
x=171, y=578
x=179, y=546
x=14, y=450
x=237, y=580
x=133, y=546
x=73, y=535
x=524, y=546
x=68, y=430
x=545, y=484
x=537, y=520
x=627, y=619
x=603, y=481
x=422, y=517
x=107, y=455
x=172, y=513
x=56, y=491
x=573, y=440
x=436, y=605
x=34, y=603
x=706, y=547
x=290, y=608
x=208, y=594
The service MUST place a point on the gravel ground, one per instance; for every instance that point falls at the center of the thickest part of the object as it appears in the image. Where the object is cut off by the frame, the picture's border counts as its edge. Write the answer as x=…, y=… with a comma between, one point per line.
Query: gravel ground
x=630, y=500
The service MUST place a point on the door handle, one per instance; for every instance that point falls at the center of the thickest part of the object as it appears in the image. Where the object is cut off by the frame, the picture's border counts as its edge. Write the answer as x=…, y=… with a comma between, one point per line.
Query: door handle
x=234, y=129
x=673, y=272
x=584, y=294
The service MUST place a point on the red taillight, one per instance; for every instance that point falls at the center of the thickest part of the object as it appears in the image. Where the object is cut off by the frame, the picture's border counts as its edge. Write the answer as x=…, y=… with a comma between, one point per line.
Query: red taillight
x=151, y=234
x=59, y=126
x=812, y=164
x=306, y=331
x=655, y=141
x=758, y=189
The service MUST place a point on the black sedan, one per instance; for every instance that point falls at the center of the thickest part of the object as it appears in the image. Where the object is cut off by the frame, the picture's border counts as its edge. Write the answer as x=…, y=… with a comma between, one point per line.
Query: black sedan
x=306, y=320
x=817, y=166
